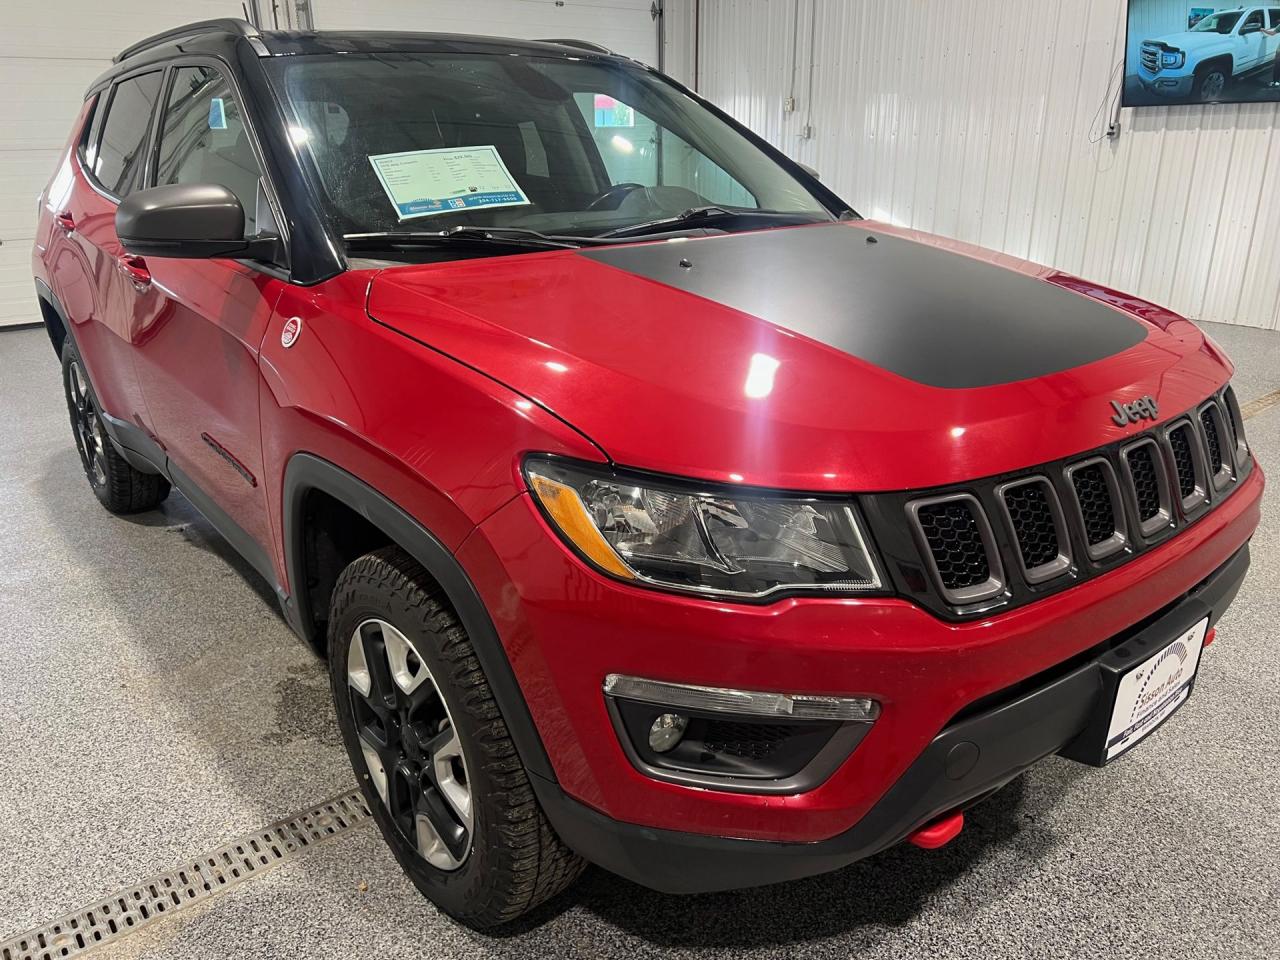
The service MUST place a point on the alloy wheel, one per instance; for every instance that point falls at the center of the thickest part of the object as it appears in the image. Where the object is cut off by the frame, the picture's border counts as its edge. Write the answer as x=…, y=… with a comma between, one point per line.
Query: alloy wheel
x=1213, y=85
x=88, y=425
x=410, y=744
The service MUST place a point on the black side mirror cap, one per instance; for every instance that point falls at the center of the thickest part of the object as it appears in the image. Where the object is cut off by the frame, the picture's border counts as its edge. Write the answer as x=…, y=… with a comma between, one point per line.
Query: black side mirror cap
x=185, y=220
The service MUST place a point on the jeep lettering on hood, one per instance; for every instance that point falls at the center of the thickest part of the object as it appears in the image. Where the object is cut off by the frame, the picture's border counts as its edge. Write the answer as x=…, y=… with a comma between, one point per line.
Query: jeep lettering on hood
x=864, y=330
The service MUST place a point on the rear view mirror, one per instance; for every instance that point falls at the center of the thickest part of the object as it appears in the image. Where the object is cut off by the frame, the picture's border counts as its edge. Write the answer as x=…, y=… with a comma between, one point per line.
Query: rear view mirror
x=810, y=171
x=185, y=220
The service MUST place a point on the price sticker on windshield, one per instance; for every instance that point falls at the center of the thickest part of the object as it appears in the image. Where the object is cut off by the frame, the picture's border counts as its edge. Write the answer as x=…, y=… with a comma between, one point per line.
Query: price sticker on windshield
x=425, y=183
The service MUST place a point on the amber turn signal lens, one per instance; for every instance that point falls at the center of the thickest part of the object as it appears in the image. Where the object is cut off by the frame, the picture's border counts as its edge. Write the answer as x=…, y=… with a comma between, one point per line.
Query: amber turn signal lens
x=567, y=511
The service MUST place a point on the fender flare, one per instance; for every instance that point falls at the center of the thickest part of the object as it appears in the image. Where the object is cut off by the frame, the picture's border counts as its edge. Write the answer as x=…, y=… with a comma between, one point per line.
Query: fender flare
x=306, y=472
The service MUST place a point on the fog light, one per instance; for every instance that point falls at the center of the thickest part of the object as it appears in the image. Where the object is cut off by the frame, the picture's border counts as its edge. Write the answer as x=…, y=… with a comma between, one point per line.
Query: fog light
x=666, y=731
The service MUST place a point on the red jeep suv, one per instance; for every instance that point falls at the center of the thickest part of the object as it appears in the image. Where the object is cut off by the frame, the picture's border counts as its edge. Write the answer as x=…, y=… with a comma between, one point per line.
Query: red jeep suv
x=652, y=507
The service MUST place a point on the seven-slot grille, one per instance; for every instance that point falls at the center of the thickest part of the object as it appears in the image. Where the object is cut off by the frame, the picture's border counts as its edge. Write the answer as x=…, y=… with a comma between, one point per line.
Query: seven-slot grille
x=1118, y=502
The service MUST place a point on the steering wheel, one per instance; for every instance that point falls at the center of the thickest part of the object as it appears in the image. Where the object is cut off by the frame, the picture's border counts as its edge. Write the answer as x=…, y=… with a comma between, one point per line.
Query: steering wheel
x=613, y=197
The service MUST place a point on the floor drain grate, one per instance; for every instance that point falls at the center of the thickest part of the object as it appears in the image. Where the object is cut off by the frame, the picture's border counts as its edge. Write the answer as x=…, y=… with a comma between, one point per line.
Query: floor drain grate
x=207, y=876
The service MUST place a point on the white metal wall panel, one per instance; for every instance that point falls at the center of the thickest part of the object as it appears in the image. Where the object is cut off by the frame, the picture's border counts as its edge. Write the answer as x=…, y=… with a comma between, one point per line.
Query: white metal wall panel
x=984, y=119
x=622, y=25
x=49, y=53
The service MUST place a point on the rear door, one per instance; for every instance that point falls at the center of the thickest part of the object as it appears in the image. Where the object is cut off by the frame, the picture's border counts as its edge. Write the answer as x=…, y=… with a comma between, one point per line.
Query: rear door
x=88, y=267
x=201, y=322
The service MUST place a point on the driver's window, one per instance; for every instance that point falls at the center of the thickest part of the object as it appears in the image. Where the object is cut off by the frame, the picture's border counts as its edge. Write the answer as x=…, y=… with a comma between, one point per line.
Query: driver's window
x=204, y=140
x=1253, y=23
x=635, y=149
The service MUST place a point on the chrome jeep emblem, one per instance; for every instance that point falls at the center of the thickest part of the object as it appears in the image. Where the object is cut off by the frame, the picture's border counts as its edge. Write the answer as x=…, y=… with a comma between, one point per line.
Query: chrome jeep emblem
x=1141, y=409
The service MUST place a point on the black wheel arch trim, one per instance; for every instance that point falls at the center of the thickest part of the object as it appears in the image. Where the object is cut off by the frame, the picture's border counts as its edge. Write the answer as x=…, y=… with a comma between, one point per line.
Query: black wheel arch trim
x=306, y=472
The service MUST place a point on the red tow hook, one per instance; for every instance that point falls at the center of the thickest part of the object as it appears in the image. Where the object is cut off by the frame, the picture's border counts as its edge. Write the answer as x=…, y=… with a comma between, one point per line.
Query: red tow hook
x=1210, y=635
x=938, y=833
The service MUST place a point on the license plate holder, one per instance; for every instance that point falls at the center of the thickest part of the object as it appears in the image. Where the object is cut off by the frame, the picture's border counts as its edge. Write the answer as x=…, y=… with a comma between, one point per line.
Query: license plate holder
x=1143, y=682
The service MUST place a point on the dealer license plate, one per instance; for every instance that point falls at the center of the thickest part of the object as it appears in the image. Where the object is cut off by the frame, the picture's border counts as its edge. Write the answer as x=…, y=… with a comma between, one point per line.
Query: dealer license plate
x=1150, y=692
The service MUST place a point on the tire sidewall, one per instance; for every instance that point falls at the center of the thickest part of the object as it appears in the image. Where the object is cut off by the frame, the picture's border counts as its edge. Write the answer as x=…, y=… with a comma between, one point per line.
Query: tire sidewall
x=457, y=892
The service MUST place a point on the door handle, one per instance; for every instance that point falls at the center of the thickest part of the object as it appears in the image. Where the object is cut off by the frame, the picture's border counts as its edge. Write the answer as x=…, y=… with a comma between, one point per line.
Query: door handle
x=66, y=221
x=135, y=268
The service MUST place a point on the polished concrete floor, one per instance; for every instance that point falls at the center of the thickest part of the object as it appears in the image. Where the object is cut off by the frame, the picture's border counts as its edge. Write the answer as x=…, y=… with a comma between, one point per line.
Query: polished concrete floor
x=153, y=706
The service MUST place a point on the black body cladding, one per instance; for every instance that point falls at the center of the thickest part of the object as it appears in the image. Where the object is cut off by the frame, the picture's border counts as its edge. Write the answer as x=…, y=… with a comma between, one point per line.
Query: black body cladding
x=932, y=316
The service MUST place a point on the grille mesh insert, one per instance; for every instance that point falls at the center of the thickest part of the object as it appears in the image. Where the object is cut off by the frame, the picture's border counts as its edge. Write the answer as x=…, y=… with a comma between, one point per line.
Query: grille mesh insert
x=1210, y=424
x=1094, y=494
x=750, y=741
x=955, y=541
x=1032, y=518
x=1146, y=482
x=1180, y=441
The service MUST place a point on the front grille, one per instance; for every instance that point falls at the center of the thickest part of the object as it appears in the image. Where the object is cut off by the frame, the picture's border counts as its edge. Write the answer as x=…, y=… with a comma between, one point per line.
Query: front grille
x=1210, y=425
x=1151, y=59
x=1032, y=519
x=1099, y=512
x=1145, y=479
x=1109, y=505
x=1183, y=460
x=955, y=542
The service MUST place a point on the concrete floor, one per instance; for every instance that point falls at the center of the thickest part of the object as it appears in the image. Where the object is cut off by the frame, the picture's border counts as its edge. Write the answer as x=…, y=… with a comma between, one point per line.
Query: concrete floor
x=153, y=706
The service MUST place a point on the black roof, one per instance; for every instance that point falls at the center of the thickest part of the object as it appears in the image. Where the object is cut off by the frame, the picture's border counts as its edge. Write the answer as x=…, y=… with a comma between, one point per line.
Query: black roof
x=294, y=43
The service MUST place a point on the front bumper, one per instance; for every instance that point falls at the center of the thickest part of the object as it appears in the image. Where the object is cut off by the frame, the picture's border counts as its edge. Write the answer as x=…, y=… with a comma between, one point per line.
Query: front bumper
x=963, y=764
x=564, y=628
x=1166, y=85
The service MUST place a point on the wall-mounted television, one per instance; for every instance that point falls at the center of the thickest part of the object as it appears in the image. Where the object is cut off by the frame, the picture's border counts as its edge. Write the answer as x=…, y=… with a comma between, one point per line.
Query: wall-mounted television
x=1180, y=52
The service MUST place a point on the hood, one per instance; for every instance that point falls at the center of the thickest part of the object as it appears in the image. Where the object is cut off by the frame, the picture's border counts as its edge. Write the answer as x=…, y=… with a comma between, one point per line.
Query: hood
x=851, y=356
x=1189, y=40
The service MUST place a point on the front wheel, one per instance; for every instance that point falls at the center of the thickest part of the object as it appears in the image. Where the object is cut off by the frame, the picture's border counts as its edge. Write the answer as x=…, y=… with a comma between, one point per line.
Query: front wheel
x=433, y=754
x=1211, y=82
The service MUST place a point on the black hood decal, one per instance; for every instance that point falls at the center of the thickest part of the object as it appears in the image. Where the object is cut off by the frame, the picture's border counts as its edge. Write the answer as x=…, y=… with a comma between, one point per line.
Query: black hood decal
x=936, y=317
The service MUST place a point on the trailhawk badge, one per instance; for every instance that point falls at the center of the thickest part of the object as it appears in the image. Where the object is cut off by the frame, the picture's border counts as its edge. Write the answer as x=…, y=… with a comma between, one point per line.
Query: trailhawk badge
x=290, y=332
x=1143, y=409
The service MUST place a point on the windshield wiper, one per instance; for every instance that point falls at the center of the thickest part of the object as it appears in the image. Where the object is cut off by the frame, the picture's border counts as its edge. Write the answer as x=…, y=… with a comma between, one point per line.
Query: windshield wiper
x=701, y=214
x=496, y=236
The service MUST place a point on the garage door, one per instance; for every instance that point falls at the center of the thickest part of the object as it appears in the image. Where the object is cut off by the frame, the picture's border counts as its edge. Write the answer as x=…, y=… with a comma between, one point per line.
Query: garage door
x=49, y=54
x=626, y=26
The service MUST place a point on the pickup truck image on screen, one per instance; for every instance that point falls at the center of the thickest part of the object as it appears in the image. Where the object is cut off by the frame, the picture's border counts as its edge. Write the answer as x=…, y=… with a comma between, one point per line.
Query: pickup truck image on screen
x=1226, y=56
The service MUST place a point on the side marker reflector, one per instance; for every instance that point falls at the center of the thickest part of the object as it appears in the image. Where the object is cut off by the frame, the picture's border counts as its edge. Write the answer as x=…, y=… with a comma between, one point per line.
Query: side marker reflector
x=939, y=833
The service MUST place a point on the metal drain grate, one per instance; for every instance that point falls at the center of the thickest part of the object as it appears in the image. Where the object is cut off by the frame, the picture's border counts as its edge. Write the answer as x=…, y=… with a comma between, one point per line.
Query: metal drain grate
x=207, y=876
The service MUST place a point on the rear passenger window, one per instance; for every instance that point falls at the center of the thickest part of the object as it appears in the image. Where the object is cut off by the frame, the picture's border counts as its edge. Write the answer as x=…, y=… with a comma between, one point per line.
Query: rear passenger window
x=203, y=139
x=122, y=150
x=1275, y=18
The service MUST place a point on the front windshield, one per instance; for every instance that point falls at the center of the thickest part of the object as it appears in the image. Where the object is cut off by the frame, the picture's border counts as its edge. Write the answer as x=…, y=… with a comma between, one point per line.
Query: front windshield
x=585, y=146
x=1218, y=22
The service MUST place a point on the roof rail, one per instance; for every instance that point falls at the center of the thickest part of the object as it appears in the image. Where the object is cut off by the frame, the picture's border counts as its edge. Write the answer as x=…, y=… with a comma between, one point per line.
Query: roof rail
x=242, y=28
x=582, y=45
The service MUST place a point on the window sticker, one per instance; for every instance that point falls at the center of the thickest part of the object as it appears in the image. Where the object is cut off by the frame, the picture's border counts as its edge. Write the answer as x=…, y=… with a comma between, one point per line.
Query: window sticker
x=423, y=183
x=217, y=114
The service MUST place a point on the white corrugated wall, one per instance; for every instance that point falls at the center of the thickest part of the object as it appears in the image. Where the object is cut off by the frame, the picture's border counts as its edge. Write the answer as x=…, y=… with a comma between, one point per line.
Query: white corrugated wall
x=984, y=119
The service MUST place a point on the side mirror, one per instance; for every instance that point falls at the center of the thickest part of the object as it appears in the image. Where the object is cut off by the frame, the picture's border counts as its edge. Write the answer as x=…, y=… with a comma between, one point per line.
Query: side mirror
x=186, y=220
x=809, y=170
x=1249, y=28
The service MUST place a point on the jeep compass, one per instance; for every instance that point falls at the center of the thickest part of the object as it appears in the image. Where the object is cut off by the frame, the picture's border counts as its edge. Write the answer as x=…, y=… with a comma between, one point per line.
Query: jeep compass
x=652, y=508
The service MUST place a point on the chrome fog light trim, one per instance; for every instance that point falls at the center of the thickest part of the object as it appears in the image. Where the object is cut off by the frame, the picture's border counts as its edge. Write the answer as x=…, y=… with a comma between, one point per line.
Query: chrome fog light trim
x=742, y=702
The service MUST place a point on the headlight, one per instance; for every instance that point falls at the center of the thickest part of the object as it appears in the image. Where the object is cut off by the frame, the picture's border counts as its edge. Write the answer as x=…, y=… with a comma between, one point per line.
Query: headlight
x=725, y=542
x=1172, y=59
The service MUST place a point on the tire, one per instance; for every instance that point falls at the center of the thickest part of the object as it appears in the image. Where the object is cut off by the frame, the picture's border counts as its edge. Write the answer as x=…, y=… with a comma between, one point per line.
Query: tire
x=121, y=488
x=1212, y=80
x=422, y=729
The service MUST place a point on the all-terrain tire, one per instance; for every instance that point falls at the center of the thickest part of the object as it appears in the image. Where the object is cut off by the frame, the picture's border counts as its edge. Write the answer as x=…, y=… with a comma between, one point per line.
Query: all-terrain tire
x=514, y=861
x=115, y=482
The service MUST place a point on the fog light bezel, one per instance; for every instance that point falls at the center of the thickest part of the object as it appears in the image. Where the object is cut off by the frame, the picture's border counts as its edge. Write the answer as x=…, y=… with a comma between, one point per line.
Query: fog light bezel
x=826, y=731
